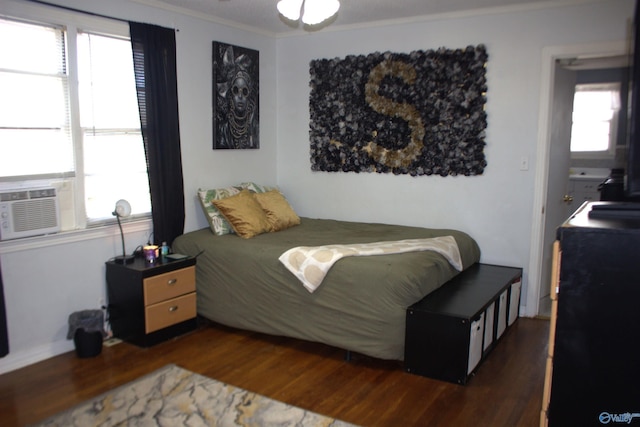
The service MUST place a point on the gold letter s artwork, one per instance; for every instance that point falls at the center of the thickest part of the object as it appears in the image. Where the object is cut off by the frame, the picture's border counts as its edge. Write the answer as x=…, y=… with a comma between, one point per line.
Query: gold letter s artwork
x=400, y=157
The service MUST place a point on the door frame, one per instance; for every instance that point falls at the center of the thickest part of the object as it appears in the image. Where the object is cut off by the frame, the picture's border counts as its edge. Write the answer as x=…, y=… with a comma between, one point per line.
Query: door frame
x=538, y=246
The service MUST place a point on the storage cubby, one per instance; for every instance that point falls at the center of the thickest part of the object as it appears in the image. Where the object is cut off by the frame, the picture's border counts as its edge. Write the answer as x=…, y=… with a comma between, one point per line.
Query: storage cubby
x=453, y=329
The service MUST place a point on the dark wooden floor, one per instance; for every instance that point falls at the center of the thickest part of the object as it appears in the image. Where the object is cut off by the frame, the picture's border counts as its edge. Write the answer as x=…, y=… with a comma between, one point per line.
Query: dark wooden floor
x=506, y=391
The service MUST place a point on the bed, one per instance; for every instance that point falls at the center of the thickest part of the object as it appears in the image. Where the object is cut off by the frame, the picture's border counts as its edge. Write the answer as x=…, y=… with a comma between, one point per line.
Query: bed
x=361, y=302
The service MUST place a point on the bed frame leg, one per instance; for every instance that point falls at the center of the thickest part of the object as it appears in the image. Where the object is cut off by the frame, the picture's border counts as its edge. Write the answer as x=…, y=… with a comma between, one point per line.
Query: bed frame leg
x=347, y=356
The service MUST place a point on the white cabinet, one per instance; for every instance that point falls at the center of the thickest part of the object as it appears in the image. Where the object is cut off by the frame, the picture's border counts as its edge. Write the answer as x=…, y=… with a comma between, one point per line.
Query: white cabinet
x=584, y=189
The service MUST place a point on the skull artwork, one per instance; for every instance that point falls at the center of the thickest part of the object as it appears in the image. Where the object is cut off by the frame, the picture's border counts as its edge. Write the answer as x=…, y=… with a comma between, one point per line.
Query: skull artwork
x=237, y=119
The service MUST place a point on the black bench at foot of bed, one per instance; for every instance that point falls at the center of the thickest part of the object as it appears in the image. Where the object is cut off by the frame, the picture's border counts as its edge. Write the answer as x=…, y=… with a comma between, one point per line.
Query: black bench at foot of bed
x=450, y=331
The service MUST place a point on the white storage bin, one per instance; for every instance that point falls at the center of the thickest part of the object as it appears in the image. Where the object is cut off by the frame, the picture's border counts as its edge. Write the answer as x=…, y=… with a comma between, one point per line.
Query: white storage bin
x=475, y=343
x=514, y=301
x=489, y=317
x=502, y=313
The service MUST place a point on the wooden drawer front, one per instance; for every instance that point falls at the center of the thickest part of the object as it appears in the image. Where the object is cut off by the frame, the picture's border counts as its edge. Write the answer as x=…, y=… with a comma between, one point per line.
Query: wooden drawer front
x=167, y=313
x=169, y=285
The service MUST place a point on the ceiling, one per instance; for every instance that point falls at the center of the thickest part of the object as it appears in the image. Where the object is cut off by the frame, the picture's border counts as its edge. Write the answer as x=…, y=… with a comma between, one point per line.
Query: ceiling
x=262, y=16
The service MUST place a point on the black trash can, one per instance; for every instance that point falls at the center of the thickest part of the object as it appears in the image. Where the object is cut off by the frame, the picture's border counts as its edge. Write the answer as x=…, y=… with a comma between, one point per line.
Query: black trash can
x=612, y=189
x=86, y=327
x=88, y=344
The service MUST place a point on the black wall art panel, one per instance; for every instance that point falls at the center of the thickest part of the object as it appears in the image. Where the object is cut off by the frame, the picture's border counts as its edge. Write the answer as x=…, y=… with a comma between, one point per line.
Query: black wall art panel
x=236, y=97
x=420, y=113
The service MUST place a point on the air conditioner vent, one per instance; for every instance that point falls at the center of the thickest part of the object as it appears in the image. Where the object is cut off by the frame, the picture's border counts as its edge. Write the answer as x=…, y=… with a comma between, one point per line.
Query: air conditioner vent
x=34, y=214
x=25, y=213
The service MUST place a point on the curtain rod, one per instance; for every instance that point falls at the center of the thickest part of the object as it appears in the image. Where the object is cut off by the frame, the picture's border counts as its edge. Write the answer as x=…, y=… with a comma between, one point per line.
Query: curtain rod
x=73, y=9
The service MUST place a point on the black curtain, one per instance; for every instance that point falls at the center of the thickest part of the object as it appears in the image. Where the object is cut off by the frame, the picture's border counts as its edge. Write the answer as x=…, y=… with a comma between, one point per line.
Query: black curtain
x=4, y=335
x=154, y=61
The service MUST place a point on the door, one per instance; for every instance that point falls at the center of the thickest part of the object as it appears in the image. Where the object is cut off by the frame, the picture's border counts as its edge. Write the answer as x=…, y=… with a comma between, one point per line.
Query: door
x=558, y=208
x=547, y=169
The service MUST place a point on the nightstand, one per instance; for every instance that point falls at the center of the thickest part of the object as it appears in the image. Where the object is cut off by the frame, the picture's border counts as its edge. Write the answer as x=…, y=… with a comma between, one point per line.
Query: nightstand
x=150, y=303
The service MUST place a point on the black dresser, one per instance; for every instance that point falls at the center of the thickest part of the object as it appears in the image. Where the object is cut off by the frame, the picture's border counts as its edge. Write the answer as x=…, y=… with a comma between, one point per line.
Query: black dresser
x=593, y=369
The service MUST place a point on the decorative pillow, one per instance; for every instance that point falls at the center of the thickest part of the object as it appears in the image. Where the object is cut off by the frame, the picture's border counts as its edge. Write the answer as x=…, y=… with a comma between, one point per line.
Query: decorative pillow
x=244, y=214
x=279, y=212
x=256, y=188
x=219, y=225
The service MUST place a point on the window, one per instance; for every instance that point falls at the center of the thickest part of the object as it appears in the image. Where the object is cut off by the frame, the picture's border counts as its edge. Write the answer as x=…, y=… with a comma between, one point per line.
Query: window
x=113, y=152
x=69, y=118
x=595, y=117
x=34, y=113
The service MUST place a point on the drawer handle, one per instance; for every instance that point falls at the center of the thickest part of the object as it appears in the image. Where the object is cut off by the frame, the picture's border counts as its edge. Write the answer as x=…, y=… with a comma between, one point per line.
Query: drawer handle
x=172, y=281
x=173, y=308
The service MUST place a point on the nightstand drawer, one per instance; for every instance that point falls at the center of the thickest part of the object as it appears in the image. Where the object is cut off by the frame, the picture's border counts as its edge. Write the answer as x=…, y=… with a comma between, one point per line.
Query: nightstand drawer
x=167, y=313
x=169, y=285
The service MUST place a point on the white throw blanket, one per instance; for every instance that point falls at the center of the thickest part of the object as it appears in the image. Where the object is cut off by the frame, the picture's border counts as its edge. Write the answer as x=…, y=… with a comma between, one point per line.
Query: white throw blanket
x=311, y=264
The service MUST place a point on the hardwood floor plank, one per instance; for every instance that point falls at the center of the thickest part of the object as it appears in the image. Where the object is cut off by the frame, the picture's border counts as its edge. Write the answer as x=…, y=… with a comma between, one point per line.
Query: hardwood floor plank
x=506, y=391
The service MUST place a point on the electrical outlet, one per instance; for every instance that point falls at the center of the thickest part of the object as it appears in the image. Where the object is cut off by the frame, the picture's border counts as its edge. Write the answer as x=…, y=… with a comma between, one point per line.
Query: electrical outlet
x=524, y=163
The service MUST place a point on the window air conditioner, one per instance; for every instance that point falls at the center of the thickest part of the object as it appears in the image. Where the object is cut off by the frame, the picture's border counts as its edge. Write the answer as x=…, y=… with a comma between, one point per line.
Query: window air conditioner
x=28, y=212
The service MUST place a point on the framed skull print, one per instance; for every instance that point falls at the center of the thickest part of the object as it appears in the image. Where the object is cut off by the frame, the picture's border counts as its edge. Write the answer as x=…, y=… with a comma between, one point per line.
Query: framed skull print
x=236, y=95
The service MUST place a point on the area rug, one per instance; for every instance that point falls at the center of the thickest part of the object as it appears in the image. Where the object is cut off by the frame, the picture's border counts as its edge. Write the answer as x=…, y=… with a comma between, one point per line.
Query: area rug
x=172, y=396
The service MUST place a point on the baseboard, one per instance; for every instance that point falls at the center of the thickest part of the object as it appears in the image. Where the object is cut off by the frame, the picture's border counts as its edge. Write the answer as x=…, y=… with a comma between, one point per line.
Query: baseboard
x=20, y=359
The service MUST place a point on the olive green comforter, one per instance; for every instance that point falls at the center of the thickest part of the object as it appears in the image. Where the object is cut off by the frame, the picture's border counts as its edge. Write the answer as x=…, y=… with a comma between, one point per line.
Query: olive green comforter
x=360, y=305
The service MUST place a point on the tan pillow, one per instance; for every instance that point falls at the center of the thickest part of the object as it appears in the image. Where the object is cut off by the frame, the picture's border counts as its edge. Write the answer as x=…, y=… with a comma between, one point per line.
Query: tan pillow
x=244, y=214
x=279, y=212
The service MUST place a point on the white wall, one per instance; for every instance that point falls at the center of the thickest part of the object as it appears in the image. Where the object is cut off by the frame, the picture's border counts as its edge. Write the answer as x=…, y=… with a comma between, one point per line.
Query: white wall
x=44, y=285
x=495, y=208
x=46, y=279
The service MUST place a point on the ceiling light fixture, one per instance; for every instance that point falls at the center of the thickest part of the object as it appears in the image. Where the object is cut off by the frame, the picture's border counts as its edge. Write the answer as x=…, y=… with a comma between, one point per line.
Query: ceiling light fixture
x=313, y=12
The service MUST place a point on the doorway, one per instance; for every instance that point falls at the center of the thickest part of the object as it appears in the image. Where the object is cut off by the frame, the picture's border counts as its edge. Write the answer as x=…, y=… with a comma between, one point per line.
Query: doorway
x=546, y=214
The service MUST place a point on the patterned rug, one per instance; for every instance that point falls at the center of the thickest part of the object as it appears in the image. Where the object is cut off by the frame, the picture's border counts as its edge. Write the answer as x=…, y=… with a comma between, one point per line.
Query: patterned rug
x=172, y=396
